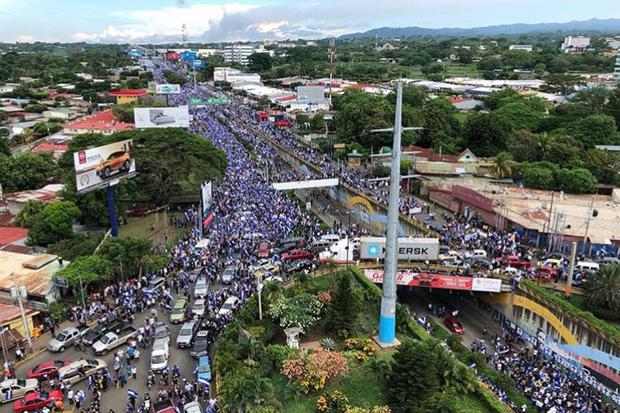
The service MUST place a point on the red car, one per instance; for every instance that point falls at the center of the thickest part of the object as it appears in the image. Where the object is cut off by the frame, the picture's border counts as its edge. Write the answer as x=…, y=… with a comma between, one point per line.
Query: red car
x=296, y=255
x=546, y=274
x=514, y=262
x=264, y=251
x=47, y=369
x=36, y=400
x=283, y=123
x=454, y=325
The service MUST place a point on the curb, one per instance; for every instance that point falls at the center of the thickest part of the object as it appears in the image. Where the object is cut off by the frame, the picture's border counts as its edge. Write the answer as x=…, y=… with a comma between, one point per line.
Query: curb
x=30, y=356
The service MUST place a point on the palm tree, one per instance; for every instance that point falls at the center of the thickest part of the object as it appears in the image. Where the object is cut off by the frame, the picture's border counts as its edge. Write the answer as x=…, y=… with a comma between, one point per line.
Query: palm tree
x=602, y=291
x=502, y=167
x=544, y=145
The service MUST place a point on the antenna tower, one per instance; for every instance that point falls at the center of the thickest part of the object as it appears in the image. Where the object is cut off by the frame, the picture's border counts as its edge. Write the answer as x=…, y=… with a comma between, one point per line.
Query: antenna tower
x=181, y=4
x=331, y=56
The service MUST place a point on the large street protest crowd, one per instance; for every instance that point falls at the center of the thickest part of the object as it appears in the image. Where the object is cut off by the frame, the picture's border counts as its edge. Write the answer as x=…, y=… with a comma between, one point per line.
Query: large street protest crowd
x=246, y=210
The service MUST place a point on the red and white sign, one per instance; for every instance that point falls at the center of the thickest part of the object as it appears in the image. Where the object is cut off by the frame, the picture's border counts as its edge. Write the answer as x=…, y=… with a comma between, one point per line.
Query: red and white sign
x=421, y=279
x=442, y=281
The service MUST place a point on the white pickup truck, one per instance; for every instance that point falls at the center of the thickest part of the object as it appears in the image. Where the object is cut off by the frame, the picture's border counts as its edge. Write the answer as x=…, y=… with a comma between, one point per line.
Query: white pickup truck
x=112, y=340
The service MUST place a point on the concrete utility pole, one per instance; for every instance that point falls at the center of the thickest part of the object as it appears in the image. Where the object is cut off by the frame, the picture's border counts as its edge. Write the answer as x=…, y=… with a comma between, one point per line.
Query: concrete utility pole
x=18, y=296
x=571, y=270
x=585, y=235
x=387, y=320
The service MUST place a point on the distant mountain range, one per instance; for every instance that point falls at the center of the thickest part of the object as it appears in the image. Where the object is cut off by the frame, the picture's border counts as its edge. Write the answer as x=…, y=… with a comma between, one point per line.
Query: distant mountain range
x=592, y=25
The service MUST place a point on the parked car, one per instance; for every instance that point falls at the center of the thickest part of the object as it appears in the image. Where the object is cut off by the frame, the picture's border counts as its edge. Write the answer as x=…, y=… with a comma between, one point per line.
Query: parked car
x=546, y=274
x=177, y=315
x=229, y=275
x=264, y=250
x=201, y=344
x=47, y=369
x=12, y=389
x=476, y=253
x=66, y=338
x=155, y=283
x=117, y=162
x=192, y=407
x=297, y=266
x=37, y=400
x=200, y=289
x=186, y=334
x=297, y=254
x=162, y=406
x=159, y=356
x=98, y=331
x=81, y=369
x=514, y=262
x=199, y=307
x=454, y=325
x=229, y=305
x=161, y=333
x=112, y=340
x=203, y=370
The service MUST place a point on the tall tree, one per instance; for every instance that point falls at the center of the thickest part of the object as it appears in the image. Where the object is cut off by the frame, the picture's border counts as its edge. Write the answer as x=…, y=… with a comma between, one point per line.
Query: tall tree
x=486, y=134
x=502, y=165
x=54, y=223
x=344, y=305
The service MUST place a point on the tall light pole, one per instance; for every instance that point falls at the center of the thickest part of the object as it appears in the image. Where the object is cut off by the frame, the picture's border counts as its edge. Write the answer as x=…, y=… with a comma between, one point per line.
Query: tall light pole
x=387, y=320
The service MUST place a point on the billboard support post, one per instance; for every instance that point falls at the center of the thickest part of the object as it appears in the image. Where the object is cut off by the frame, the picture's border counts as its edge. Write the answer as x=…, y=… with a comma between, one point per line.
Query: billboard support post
x=112, y=212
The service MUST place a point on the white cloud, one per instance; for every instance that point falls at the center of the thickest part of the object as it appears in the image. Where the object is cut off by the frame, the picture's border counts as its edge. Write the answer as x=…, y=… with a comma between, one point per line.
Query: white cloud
x=24, y=38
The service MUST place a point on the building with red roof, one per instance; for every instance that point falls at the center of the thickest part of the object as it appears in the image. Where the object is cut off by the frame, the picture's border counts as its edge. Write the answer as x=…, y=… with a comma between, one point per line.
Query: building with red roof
x=104, y=122
x=10, y=235
x=57, y=149
x=128, y=95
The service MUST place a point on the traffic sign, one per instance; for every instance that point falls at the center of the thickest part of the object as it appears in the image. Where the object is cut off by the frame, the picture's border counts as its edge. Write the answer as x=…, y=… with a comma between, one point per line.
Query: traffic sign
x=60, y=282
x=218, y=101
x=195, y=101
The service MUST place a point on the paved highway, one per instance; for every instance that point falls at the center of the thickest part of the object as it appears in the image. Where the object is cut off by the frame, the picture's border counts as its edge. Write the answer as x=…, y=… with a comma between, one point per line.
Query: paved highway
x=116, y=398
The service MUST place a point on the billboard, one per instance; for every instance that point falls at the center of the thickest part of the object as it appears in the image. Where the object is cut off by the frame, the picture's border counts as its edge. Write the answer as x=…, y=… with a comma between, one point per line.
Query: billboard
x=207, y=197
x=418, y=279
x=409, y=249
x=166, y=89
x=198, y=64
x=442, y=281
x=98, y=167
x=175, y=117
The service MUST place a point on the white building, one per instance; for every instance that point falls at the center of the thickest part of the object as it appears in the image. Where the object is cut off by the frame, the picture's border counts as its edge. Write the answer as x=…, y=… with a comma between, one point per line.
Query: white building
x=524, y=47
x=207, y=52
x=228, y=74
x=237, y=53
x=575, y=44
x=617, y=69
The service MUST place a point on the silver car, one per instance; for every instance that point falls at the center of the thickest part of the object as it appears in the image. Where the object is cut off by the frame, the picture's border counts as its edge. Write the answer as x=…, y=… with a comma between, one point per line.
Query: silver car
x=186, y=335
x=12, y=389
x=200, y=289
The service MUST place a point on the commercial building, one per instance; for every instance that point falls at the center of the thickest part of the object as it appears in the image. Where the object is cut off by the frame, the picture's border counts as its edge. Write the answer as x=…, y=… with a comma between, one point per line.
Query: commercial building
x=34, y=272
x=524, y=47
x=237, y=53
x=129, y=96
x=101, y=122
x=617, y=69
x=228, y=74
x=575, y=44
x=62, y=113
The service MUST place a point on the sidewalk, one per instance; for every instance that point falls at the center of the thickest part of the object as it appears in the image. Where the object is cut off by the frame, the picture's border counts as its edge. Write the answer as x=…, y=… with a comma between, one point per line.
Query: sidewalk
x=39, y=344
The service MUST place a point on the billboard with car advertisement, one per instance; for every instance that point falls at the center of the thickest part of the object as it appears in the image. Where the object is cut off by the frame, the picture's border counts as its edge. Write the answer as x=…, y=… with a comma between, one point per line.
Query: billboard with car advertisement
x=99, y=167
x=167, y=89
x=176, y=117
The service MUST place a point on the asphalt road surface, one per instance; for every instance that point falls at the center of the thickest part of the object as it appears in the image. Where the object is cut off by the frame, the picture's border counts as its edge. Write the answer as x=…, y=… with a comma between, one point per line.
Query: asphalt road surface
x=473, y=318
x=116, y=398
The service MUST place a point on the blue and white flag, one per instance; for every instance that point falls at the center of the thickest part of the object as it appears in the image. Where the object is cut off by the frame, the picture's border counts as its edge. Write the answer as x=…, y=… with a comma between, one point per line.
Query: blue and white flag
x=132, y=394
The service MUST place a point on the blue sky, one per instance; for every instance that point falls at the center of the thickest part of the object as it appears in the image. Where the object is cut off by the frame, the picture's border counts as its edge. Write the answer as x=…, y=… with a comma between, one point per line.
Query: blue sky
x=160, y=20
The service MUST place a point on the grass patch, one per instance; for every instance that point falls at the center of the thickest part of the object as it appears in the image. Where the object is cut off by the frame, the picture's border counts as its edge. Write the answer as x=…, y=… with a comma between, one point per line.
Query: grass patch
x=572, y=309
